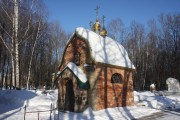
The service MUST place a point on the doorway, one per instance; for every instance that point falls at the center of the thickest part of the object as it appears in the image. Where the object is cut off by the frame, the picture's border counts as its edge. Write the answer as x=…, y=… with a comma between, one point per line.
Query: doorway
x=70, y=98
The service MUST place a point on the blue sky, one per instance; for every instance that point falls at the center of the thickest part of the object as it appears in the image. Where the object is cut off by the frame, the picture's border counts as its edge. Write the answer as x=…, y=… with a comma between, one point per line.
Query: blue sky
x=78, y=13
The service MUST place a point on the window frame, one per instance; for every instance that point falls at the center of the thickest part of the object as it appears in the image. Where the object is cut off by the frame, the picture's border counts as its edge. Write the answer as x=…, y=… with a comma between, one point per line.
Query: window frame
x=116, y=78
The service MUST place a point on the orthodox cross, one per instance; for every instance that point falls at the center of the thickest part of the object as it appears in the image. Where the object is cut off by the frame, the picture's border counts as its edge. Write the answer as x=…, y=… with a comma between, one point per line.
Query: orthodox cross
x=90, y=23
x=103, y=19
x=97, y=8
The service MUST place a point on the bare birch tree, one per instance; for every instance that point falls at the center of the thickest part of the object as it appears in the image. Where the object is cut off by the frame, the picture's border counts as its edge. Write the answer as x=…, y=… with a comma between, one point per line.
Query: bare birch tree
x=116, y=30
x=16, y=42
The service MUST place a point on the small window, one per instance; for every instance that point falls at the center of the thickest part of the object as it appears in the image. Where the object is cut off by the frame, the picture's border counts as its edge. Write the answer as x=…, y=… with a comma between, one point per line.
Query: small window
x=116, y=78
x=77, y=58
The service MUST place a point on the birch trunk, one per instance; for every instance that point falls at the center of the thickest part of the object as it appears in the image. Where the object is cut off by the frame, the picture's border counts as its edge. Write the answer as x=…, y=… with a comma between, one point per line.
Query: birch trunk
x=30, y=62
x=16, y=50
x=13, y=75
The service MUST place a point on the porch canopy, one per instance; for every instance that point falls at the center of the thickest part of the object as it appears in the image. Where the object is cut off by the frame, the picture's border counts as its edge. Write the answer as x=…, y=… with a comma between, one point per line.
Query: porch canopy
x=78, y=73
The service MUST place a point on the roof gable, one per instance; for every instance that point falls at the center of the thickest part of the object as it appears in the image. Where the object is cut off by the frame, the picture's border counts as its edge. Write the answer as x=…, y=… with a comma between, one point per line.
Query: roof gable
x=77, y=71
x=79, y=74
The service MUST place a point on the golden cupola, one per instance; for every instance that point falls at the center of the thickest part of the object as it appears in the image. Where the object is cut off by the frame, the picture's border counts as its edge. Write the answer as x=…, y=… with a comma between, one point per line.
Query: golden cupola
x=97, y=26
x=103, y=31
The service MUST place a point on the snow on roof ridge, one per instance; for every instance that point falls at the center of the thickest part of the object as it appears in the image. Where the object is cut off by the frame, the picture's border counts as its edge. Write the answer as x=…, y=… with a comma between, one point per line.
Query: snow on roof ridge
x=77, y=71
x=105, y=50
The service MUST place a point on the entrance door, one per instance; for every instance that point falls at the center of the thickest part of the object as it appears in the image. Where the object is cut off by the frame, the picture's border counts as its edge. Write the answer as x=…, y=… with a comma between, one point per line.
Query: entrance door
x=70, y=99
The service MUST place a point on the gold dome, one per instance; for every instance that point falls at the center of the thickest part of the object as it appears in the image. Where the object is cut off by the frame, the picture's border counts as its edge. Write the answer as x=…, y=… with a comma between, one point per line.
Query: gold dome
x=97, y=26
x=103, y=32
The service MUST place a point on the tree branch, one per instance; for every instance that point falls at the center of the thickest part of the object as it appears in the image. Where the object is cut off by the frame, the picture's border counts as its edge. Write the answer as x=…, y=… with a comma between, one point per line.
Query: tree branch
x=6, y=13
x=6, y=32
x=6, y=46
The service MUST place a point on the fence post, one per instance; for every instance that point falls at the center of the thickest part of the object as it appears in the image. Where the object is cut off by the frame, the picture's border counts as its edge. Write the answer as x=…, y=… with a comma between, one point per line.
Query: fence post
x=53, y=108
x=50, y=111
x=38, y=115
x=24, y=112
x=58, y=115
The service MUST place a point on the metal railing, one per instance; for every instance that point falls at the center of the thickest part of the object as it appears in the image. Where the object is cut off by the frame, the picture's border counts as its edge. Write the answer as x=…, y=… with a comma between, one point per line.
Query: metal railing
x=38, y=112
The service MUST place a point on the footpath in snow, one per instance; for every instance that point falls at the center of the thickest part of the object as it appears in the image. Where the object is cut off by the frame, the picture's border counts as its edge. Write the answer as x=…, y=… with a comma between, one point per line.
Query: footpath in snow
x=12, y=104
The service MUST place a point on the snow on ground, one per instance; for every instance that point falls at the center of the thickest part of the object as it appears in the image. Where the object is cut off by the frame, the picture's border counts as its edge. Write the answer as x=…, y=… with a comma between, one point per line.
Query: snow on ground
x=157, y=100
x=12, y=104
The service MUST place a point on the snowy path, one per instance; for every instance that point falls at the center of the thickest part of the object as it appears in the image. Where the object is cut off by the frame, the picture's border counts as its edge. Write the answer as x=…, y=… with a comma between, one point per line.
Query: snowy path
x=163, y=115
x=118, y=113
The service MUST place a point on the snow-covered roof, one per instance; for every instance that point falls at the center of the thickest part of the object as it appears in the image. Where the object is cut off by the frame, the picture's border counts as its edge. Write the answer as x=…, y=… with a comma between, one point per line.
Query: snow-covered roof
x=77, y=71
x=105, y=50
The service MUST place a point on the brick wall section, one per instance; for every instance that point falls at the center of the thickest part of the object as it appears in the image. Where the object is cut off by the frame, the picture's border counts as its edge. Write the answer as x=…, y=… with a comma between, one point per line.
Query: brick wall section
x=114, y=94
x=76, y=45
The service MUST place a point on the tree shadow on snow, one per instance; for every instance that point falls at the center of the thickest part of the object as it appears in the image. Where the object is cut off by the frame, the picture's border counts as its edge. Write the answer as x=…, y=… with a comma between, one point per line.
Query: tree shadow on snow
x=14, y=99
x=75, y=116
x=10, y=114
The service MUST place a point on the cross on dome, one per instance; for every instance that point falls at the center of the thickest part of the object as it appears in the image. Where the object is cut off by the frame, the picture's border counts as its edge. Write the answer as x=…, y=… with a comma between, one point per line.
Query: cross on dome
x=97, y=27
x=97, y=10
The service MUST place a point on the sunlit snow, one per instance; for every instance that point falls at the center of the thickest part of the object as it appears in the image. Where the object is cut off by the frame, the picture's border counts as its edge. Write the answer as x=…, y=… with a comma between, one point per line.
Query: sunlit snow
x=12, y=104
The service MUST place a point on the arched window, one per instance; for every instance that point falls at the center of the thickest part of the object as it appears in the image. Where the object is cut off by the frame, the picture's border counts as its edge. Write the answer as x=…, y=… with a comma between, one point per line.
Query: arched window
x=77, y=58
x=116, y=78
